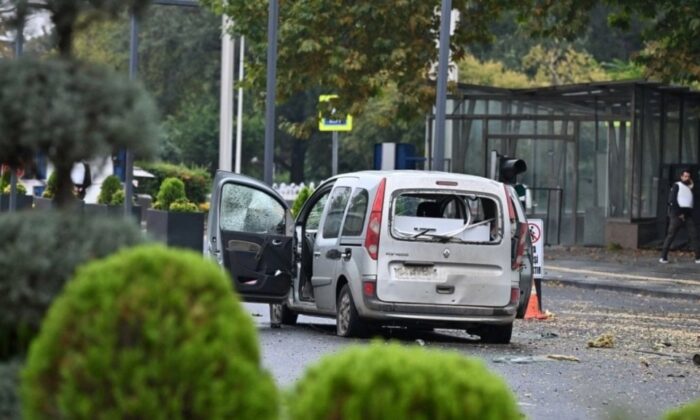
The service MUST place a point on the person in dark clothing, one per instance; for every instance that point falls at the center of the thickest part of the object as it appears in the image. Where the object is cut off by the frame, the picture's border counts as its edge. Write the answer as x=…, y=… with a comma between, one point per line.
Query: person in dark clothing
x=680, y=204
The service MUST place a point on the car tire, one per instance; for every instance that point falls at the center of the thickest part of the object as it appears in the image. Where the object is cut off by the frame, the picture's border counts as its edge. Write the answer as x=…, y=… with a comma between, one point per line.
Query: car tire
x=280, y=315
x=348, y=322
x=496, y=334
x=525, y=299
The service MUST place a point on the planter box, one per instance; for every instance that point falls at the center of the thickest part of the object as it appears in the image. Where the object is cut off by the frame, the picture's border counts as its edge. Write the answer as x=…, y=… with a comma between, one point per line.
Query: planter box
x=184, y=230
x=42, y=203
x=113, y=211
x=23, y=202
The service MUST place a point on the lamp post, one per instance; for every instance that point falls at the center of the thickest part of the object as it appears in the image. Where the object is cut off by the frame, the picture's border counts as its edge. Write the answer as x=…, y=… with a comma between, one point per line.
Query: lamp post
x=441, y=101
x=270, y=88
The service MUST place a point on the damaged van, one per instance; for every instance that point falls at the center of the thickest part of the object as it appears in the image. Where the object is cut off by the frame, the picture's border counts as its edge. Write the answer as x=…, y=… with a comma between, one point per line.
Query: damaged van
x=410, y=248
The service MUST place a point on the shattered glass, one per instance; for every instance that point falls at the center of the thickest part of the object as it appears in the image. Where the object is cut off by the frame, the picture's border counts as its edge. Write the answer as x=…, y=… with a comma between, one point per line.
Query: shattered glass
x=245, y=209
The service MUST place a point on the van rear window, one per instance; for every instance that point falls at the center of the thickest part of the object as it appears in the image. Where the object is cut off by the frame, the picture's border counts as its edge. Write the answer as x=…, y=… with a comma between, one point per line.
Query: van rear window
x=446, y=217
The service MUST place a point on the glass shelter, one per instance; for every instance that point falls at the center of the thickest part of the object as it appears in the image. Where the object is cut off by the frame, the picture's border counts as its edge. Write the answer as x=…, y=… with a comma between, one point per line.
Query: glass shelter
x=601, y=156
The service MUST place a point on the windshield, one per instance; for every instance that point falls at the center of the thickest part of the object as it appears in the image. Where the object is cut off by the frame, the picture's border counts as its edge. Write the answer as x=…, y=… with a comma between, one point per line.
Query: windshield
x=446, y=217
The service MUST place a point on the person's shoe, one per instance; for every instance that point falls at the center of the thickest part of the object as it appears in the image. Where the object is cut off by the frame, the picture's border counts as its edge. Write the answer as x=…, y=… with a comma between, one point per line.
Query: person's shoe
x=665, y=261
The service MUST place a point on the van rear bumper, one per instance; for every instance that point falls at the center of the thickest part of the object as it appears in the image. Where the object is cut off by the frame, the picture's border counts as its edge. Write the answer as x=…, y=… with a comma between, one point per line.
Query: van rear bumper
x=378, y=309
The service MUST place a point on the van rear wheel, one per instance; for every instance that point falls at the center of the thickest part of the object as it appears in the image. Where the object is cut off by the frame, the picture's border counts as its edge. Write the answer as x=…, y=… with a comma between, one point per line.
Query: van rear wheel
x=280, y=315
x=348, y=322
x=496, y=334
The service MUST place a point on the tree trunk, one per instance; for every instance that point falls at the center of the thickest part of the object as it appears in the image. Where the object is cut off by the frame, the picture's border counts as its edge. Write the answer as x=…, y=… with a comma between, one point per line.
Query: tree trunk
x=64, y=196
x=299, y=146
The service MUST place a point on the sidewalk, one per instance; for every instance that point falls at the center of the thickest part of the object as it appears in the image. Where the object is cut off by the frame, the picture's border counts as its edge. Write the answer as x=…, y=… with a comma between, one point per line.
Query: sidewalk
x=634, y=271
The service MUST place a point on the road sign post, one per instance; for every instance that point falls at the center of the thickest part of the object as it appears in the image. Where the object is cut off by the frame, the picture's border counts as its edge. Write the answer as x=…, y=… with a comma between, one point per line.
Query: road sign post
x=334, y=125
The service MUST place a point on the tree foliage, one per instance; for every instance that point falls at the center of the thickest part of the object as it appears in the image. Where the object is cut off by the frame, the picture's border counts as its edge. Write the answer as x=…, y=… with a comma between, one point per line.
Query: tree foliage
x=70, y=111
x=356, y=49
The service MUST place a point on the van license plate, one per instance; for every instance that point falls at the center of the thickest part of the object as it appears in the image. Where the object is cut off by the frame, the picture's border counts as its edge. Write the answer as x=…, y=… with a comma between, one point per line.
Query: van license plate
x=415, y=273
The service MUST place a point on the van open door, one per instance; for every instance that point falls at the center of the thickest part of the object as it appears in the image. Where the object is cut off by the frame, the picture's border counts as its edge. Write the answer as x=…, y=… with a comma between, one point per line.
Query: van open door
x=250, y=234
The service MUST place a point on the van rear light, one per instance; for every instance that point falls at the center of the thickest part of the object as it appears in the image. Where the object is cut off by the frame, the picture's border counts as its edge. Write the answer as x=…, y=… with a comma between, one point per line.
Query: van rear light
x=375, y=222
x=514, y=295
x=369, y=288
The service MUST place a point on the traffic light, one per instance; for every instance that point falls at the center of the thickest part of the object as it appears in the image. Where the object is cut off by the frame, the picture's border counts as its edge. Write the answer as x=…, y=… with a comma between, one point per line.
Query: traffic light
x=510, y=168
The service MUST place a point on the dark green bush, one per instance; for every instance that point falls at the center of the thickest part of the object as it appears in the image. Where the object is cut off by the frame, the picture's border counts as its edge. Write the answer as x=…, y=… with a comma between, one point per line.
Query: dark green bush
x=687, y=412
x=303, y=195
x=39, y=252
x=110, y=186
x=51, y=185
x=383, y=381
x=171, y=190
x=197, y=180
x=183, y=206
x=149, y=333
x=9, y=390
x=21, y=189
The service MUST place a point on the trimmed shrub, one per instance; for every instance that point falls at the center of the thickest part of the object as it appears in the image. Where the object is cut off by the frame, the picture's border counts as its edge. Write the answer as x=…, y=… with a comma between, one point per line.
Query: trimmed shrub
x=183, y=206
x=302, y=196
x=150, y=333
x=197, y=180
x=171, y=190
x=110, y=186
x=21, y=189
x=687, y=412
x=9, y=390
x=398, y=382
x=51, y=186
x=39, y=252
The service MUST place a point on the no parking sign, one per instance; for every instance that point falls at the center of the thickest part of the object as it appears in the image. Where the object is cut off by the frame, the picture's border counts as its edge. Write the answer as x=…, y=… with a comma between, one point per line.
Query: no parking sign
x=537, y=237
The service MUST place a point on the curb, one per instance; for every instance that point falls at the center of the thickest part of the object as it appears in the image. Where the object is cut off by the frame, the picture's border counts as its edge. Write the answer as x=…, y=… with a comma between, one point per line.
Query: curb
x=617, y=287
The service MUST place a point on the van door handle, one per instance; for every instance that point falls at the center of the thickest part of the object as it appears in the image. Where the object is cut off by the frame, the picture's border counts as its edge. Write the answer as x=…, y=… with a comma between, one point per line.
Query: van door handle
x=445, y=290
x=317, y=254
x=276, y=242
x=347, y=254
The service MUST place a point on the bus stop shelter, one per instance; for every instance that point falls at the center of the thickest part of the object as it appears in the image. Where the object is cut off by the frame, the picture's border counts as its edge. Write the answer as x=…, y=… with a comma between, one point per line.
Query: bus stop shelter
x=601, y=156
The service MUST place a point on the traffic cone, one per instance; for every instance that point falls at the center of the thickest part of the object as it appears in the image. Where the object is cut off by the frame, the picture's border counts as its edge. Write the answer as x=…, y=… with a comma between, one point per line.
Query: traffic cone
x=534, y=308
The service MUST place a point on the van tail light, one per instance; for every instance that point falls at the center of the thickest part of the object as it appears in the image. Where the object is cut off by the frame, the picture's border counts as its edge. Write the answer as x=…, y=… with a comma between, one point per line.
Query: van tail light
x=514, y=295
x=519, y=254
x=375, y=222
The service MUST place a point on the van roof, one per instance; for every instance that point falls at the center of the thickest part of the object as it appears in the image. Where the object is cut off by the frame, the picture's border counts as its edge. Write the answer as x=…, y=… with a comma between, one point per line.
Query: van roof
x=447, y=176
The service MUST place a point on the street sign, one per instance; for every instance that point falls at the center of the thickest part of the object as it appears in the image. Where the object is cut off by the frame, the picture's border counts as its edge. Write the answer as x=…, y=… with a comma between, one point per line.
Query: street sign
x=537, y=237
x=333, y=124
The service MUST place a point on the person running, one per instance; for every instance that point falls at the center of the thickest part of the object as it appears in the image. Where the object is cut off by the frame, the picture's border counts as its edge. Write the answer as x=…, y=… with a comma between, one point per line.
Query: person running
x=681, y=214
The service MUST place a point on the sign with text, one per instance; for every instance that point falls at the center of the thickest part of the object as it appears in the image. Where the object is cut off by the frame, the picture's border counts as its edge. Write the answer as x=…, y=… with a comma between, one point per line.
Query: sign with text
x=333, y=123
x=537, y=237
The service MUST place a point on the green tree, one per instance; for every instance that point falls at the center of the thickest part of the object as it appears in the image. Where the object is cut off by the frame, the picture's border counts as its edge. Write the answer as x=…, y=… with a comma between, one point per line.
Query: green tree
x=356, y=49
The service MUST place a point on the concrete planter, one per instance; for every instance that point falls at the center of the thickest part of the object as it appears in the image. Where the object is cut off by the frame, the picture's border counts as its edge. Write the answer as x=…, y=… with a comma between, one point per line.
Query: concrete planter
x=41, y=203
x=184, y=230
x=23, y=202
x=114, y=211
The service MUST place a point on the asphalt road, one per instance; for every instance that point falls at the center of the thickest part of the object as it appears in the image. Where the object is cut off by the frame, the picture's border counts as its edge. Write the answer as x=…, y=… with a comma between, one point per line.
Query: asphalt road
x=648, y=371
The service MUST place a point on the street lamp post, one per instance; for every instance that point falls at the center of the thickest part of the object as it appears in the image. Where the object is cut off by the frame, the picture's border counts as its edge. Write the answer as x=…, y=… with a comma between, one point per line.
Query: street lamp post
x=441, y=101
x=270, y=88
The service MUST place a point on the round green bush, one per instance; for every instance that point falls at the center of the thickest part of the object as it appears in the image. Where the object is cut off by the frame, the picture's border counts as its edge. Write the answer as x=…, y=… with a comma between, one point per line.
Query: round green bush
x=183, y=206
x=301, y=198
x=21, y=189
x=51, y=186
x=171, y=190
x=388, y=381
x=687, y=412
x=39, y=252
x=197, y=180
x=149, y=333
x=110, y=186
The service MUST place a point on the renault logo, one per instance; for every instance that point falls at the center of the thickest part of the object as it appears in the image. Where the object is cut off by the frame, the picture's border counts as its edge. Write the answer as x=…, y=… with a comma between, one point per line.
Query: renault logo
x=446, y=253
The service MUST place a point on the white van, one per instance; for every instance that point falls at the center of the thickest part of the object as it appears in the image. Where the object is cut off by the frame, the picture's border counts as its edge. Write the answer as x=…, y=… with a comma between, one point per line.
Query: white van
x=413, y=248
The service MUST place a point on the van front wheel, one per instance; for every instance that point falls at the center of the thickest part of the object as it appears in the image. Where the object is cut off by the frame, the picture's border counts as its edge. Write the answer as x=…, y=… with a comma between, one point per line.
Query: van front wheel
x=348, y=322
x=496, y=334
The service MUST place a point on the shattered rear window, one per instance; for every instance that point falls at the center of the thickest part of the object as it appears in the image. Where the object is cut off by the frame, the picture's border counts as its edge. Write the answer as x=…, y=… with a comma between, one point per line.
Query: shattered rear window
x=446, y=217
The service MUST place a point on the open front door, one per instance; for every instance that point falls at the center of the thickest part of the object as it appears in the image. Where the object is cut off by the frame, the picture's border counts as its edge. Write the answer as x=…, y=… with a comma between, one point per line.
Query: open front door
x=250, y=235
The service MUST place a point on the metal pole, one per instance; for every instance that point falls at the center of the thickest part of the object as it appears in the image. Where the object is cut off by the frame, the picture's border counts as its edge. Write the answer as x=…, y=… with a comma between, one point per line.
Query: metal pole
x=335, y=154
x=133, y=71
x=239, y=111
x=226, y=106
x=271, y=86
x=19, y=46
x=441, y=101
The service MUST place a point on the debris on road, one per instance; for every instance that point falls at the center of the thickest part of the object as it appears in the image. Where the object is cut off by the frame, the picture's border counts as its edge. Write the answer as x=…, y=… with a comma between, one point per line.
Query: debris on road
x=696, y=359
x=644, y=361
x=604, y=341
x=523, y=360
x=549, y=335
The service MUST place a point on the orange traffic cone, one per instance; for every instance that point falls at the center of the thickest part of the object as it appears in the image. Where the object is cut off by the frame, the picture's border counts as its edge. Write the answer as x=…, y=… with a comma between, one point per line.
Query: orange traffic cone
x=534, y=310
